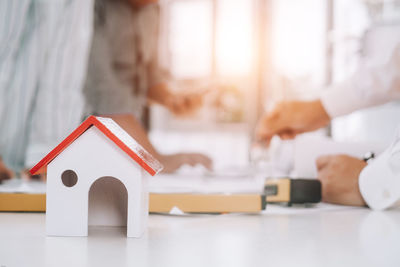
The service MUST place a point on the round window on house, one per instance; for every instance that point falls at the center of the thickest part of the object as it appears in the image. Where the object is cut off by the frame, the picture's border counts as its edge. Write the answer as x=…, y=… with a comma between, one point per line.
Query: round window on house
x=69, y=178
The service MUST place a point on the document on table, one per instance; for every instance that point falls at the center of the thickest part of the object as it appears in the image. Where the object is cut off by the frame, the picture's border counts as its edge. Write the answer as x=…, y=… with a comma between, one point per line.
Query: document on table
x=182, y=182
x=17, y=185
x=205, y=184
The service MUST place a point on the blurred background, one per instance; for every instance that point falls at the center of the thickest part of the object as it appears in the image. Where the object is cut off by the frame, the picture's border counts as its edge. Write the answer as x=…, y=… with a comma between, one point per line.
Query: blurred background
x=250, y=54
x=232, y=59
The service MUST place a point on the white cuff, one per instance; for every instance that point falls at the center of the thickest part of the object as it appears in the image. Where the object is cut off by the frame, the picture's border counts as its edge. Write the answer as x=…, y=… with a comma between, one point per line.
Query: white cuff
x=379, y=182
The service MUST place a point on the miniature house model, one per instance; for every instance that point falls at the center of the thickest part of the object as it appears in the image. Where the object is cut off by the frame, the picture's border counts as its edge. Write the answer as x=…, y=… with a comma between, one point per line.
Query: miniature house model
x=98, y=150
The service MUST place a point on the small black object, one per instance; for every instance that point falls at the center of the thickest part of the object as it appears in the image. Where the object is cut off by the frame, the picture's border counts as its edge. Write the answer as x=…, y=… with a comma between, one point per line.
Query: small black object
x=271, y=189
x=263, y=202
x=305, y=191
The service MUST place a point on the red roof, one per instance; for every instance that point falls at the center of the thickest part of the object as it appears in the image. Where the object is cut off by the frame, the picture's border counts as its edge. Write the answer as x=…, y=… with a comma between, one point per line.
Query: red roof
x=116, y=134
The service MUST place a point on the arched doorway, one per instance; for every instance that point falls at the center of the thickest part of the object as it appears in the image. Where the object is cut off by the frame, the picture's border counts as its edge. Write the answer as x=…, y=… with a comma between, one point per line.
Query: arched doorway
x=108, y=203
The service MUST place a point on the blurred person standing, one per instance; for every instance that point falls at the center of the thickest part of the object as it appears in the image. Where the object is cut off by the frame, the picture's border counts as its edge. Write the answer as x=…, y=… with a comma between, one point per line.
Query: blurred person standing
x=43, y=59
x=124, y=74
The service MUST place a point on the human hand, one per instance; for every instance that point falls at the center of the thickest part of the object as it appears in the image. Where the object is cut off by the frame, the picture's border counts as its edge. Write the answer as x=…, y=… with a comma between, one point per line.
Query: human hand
x=26, y=175
x=175, y=161
x=339, y=178
x=289, y=119
x=184, y=104
x=180, y=104
x=141, y=3
x=5, y=173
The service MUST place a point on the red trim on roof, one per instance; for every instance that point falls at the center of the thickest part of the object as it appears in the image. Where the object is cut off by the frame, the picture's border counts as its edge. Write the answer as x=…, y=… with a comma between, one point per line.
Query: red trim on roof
x=92, y=120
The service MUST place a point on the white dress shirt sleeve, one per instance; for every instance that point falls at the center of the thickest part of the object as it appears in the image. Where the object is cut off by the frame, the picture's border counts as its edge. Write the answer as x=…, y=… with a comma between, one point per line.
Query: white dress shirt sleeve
x=369, y=86
x=379, y=182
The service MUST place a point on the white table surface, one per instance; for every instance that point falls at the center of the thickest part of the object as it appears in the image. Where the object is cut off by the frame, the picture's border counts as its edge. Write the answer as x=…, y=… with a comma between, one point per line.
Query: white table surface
x=281, y=236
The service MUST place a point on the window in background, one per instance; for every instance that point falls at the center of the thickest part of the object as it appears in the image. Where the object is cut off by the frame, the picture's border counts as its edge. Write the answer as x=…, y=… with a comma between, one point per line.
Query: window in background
x=190, y=38
x=299, y=39
x=297, y=50
x=209, y=45
x=208, y=32
x=234, y=37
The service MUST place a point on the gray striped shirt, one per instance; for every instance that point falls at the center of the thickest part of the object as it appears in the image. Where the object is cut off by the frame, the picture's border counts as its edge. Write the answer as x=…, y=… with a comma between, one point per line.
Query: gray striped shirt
x=43, y=56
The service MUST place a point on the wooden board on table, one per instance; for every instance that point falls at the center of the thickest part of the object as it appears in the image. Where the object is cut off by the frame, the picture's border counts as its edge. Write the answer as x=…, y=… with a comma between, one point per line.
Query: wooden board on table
x=158, y=203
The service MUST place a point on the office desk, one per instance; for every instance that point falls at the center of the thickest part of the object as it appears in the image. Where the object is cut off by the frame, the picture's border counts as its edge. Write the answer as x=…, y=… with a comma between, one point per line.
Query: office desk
x=280, y=236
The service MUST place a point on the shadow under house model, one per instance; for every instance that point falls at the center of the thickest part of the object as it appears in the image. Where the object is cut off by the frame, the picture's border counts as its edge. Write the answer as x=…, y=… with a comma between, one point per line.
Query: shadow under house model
x=98, y=148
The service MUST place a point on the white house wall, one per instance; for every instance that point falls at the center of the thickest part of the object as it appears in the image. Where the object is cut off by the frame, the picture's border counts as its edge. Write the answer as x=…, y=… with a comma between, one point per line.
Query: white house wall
x=92, y=156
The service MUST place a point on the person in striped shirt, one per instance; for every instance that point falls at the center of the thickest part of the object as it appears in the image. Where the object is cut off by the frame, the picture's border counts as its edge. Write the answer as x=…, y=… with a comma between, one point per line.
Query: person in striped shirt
x=43, y=58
